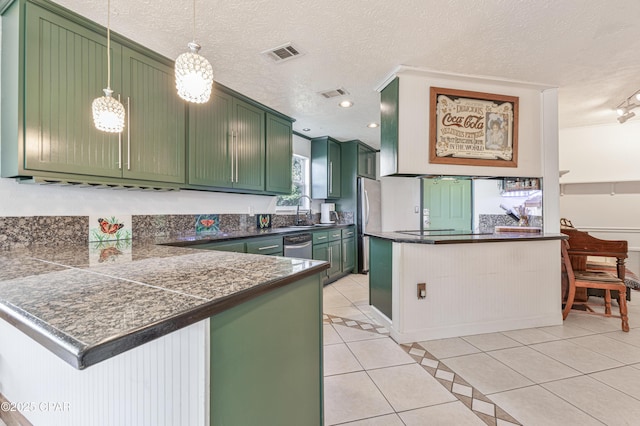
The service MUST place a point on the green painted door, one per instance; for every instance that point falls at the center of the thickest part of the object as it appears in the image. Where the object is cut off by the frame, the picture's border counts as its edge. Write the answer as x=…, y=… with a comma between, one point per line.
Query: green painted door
x=248, y=146
x=449, y=204
x=155, y=140
x=279, y=153
x=209, y=141
x=65, y=69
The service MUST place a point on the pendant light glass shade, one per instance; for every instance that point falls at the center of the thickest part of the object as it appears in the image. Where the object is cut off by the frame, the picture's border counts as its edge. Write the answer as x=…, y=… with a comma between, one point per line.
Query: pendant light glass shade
x=108, y=112
x=194, y=75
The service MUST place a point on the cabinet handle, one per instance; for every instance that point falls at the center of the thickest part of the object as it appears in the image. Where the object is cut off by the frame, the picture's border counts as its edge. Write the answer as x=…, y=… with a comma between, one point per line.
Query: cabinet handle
x=269, y=247
x=330, y=177
x=119, y=144
x=128, y=133
x=231, y=154
x=321, y=238
x=235, y=136
x=344, y=256
x=330, y=257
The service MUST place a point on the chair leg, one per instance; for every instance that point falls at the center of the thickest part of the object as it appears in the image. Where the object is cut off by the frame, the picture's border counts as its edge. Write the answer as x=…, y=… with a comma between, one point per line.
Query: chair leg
x=622, y=302
x=567, y=306
x=607, y=303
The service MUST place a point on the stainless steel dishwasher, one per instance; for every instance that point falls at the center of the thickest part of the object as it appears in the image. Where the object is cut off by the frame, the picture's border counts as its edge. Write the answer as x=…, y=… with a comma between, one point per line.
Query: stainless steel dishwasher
x=299, y=245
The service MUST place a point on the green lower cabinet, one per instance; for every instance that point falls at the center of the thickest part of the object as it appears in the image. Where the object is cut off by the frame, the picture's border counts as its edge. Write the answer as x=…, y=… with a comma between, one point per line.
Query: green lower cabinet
x=266, y=359
x=321, y=252
x=348, y=255
x=380, y=274
x=234, y=246
x=335, y=258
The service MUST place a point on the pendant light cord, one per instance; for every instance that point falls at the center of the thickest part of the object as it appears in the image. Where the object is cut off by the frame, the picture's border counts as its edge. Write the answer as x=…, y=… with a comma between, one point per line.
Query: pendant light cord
x=194, y=21
x=109, y=44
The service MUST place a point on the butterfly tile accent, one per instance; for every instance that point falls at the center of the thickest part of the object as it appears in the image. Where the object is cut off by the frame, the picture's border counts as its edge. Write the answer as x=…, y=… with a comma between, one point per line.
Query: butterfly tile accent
x=110, y=228
x=207, y=223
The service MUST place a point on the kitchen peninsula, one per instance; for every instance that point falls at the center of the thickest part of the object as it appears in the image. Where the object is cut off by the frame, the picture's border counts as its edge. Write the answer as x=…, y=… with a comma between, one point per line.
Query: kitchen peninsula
x=474, y=283
x=196, y=334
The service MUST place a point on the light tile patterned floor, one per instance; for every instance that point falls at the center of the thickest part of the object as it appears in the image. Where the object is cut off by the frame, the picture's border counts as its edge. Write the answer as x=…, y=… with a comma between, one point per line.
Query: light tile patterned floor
x=542, y=376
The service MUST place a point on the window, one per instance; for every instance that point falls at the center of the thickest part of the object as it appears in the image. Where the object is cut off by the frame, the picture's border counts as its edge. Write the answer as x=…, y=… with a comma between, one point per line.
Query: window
x=299, y=185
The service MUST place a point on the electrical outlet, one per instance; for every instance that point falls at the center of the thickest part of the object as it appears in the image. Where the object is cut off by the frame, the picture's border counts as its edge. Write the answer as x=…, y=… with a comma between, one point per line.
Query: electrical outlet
x=416, y=209
x=422, y=290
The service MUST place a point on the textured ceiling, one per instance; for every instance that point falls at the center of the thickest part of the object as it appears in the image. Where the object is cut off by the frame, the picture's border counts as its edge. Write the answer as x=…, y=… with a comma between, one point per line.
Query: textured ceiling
x=587, y=48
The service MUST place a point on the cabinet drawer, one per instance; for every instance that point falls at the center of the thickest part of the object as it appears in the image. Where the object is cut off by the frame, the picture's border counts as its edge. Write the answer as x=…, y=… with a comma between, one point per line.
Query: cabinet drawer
x=335, y=234
x=348, y=232
x=265, y=246
x=320, y=237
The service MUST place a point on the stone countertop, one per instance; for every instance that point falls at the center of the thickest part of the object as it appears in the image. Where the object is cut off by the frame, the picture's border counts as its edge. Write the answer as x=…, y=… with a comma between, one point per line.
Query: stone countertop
x=455, y=237
x=87, y=303
x=185, y=240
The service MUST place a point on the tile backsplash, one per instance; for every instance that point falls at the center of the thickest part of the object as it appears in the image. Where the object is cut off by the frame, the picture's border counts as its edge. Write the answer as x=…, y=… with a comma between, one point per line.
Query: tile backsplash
x=23, y=231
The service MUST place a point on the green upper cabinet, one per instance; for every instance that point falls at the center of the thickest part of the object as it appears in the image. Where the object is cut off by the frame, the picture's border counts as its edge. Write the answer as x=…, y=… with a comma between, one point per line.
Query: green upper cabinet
x=227, y=143
x=389, y=122
x=209, y=141
x=366, y=161
x=155, y=138
x=325, y=168
x=65, y=69
x=248, y=146
x=279, y=152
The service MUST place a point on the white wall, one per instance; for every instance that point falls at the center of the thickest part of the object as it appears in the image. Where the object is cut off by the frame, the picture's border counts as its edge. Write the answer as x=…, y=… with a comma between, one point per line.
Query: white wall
x=596, y=156
x=19, y=199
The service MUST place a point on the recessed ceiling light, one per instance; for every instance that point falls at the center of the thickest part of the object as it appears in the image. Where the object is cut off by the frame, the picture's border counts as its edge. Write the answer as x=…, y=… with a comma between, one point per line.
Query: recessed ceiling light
x=346, y=104
x=372, y=125
x=306, y=129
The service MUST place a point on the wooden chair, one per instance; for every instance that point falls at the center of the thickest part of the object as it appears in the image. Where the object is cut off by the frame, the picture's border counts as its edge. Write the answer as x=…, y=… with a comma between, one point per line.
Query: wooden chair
x=597, y=280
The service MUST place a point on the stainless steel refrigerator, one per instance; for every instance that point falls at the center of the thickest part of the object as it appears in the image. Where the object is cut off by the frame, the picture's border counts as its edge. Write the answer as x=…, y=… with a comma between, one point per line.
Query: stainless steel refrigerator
x=369, y=218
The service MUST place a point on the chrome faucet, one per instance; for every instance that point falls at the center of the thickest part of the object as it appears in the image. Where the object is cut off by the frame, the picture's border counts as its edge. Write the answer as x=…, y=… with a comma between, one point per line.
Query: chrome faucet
x=309, y=217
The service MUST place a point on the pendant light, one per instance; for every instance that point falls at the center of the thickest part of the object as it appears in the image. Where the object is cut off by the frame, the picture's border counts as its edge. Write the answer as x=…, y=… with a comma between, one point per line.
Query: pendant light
x=108, y=112
x=194, y=74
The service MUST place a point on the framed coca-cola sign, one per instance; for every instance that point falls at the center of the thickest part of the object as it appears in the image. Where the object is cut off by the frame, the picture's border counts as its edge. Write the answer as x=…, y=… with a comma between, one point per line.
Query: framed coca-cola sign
x=473, y=128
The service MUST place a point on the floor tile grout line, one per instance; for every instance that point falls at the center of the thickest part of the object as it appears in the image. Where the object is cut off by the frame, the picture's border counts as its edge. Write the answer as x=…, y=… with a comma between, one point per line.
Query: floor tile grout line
x=407, y=348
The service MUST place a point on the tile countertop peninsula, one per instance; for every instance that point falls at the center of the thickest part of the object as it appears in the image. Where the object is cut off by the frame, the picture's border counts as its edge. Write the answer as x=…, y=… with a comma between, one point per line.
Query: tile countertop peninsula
x=456, y=237
x=88, y=303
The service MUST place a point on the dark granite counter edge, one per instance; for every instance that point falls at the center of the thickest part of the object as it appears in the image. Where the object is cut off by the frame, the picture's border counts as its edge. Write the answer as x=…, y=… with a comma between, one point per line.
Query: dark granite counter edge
x=183, y=241
x=86, y=356
x=466, y=239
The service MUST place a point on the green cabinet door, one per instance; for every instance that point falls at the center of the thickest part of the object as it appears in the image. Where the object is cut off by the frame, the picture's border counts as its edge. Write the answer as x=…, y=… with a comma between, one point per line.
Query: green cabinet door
x=335, y=258
x=209, y=141
x=334, y=170
x=325, y=168
x=366, y=162
x=65, y=69
x=279, y=152
x=348, y=254
x=155, y=137
x=248, y=148
x=321, y=252
x=389, y=127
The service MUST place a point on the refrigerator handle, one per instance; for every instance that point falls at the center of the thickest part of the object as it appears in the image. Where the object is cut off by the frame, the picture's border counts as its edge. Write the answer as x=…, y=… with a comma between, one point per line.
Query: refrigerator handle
x=366, y=199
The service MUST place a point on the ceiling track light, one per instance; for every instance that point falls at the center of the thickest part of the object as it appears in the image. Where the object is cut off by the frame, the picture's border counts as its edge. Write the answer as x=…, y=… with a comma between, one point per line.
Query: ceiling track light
x=625, y=108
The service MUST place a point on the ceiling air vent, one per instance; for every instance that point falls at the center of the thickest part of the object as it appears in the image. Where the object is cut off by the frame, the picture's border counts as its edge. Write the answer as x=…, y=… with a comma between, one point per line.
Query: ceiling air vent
x=334, y=93
x=283, y=53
